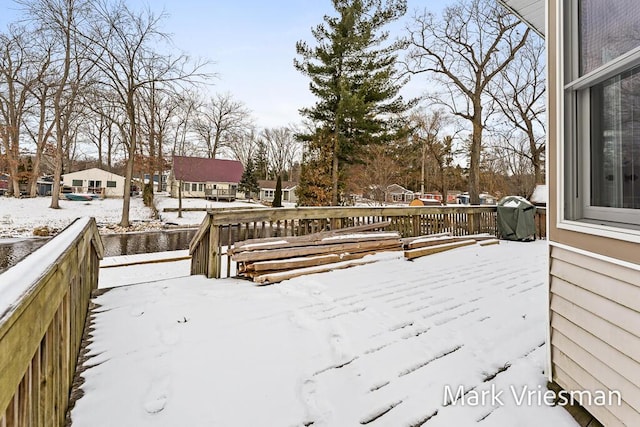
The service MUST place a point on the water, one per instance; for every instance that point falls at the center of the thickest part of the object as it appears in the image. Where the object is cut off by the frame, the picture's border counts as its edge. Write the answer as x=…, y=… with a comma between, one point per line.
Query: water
x=147, y=242
x=14, y=250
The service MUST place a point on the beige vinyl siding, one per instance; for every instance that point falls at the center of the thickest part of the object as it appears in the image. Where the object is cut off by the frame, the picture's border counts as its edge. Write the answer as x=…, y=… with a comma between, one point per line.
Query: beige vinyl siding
x=613, y=248
x=595, y=331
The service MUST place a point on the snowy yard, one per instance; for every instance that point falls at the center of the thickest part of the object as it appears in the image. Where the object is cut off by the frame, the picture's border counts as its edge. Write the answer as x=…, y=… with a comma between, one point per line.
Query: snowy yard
x=18, y=217
x=375, y=345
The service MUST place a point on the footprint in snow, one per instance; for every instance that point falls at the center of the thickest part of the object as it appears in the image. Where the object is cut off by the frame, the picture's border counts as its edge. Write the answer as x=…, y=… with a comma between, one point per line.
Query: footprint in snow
x=169, y=335
x=155, y=405
x=157, y=396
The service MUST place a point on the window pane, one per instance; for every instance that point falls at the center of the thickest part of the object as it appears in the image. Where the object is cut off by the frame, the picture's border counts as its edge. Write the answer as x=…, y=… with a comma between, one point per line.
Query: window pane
x=76, y=183
x=111, y=184
x=607, y=30
x=615, y=142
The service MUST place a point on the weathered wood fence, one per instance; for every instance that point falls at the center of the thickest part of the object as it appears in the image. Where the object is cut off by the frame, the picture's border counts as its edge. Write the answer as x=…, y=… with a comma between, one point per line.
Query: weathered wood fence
x=223, y=228
x=43, y=307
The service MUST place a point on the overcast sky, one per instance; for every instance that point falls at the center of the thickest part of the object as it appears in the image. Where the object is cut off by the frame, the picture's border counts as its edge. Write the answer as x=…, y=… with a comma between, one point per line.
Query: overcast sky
x=252, y=45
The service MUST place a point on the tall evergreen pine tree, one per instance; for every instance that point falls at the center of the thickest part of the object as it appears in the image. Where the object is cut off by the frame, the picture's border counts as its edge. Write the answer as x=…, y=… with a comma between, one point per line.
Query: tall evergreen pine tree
x=277, y=196
x=249, y=181
x=355, y=79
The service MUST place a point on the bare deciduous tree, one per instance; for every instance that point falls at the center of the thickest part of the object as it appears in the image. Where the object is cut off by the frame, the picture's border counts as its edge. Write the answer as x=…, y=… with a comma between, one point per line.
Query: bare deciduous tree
x=41, y=124
x=380, y=171
x=282, y=149
x=219, y=120
x=434, y=147
x=61, y=22
x=465, y=51
x=124, y=46
x=16, y=81
x=520, y=95
x=100, y=127
x=243, y=146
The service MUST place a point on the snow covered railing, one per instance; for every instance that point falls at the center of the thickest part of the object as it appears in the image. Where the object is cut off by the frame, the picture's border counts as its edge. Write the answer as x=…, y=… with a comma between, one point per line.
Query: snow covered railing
x=221, y=229
x=43, y=307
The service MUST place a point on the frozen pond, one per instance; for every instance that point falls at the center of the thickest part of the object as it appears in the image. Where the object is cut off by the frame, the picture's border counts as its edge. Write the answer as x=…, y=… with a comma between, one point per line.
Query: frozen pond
x=14, y=250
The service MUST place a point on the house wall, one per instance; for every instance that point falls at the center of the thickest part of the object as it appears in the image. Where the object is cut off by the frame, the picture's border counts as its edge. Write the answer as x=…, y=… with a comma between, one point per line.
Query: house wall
x=267, y=194
x=95, y=175
x=199, y=193
x=594, y=284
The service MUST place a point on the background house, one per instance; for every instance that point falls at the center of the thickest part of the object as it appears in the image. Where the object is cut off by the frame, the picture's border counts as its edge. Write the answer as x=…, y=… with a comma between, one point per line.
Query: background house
x=44, y=185
x=215, y=179
x=96, y=181
x=593, y=205
x=398, y=194
x=159, y=182
x=268, y=190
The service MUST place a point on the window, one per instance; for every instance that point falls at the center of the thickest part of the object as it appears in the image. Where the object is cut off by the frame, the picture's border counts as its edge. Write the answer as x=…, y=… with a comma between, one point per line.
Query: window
x=185, y=186
x=269, y=194
x=111, y=184
x=602, y=99
x=200, y=187
x=76, y=183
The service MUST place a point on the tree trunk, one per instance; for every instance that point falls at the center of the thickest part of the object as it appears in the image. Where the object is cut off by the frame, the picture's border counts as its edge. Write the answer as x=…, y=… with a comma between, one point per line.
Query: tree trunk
x=443, y=185
x=179, y=199
x=424, y=153
x=334, y=171
x=13, y=160
x=474, y=163
x=57, y=175
x=35, y=172
x=126, y=201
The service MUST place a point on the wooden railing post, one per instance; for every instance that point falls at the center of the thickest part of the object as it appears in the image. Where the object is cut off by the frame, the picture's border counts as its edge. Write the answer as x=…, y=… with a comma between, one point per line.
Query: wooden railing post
x=416, y=226
x=213, y=268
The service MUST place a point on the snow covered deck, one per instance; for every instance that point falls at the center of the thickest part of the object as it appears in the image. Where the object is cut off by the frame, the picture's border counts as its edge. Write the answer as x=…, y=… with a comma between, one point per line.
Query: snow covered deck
x=379, y=345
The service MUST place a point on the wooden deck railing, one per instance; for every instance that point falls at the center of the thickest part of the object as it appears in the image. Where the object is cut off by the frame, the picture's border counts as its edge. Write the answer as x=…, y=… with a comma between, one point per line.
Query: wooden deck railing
x=43, y=307
x=223, y=228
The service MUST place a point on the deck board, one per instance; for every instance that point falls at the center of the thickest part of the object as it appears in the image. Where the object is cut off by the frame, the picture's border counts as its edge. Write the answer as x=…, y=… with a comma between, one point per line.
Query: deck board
x=373, y=345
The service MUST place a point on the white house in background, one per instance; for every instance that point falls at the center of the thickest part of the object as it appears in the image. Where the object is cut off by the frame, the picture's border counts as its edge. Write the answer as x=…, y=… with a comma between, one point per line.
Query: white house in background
x=95, y=181
x=268, y=191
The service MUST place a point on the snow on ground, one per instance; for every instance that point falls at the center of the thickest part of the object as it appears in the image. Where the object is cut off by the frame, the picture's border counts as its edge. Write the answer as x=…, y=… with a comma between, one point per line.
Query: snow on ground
x=19, y=217
x=127, y=270
x=375, y=345
x=194, y=218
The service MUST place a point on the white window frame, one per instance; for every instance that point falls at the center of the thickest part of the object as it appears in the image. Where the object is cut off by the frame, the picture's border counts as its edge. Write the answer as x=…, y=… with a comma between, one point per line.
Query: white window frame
x=575, y=213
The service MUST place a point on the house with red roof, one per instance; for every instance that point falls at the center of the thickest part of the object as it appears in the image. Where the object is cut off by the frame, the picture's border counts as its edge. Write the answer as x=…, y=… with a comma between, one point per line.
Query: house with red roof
x=215, y=179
